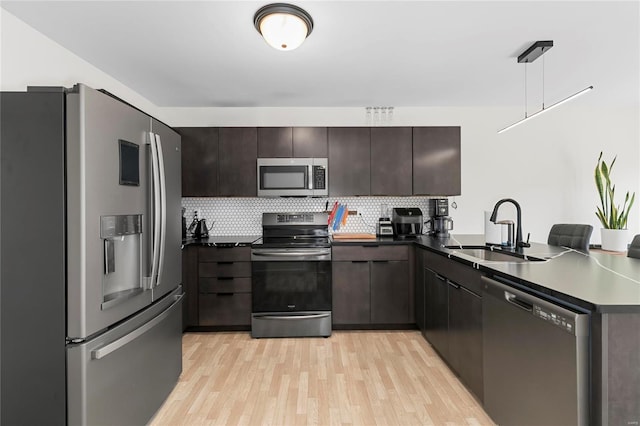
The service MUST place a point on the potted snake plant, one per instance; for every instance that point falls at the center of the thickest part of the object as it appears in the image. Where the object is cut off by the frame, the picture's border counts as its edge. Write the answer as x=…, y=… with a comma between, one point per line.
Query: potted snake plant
x=613, y=218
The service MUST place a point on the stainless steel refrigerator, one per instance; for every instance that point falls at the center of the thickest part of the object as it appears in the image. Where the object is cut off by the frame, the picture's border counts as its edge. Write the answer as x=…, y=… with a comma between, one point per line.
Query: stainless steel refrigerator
x=91, y=296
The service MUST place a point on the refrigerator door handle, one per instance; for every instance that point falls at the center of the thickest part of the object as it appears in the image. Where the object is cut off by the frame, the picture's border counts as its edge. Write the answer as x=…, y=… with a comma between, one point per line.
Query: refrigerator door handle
x=156, y=209
x=128, y=338
x=163, y=208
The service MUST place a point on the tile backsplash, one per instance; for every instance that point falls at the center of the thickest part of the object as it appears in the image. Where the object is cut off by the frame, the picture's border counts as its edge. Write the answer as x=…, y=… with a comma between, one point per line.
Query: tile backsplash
x=243, y=216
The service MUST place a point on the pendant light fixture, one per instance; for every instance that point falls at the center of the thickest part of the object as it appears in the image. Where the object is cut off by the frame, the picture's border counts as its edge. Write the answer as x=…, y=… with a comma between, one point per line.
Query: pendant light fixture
x=283, y=26
x=536, y=50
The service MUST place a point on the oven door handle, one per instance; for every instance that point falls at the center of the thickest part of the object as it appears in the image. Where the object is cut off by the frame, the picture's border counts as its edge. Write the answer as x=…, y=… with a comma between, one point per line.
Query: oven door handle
x=291, y=317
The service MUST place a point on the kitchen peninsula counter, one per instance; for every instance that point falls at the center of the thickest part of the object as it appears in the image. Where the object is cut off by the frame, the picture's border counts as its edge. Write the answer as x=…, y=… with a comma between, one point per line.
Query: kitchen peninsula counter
x=596, y=281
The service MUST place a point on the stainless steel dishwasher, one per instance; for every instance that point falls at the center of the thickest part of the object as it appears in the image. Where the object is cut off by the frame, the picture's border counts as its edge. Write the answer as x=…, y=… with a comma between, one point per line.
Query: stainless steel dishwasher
x=536, y=359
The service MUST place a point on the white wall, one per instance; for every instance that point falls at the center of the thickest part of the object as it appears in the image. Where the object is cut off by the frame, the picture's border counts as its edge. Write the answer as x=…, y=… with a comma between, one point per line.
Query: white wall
x=546, y=164
x=28, y=58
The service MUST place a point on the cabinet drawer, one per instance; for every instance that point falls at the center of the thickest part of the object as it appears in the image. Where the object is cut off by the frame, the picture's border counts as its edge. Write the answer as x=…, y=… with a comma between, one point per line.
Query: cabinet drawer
x=460, y=274
x=225, y=285
x=224, y=269
x=395, y=252
x=224, y=254
x=225, y=309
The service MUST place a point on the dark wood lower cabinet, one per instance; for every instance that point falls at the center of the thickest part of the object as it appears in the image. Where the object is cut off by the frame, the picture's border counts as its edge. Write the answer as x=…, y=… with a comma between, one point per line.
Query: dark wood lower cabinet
x=420, y=298
x=465, y=336
x=351, y=292
x=190, y=286
x=217, y=282
x=437, y=312
x=389, y=292
x=225, y=309
x=371, y=286
x=453, y=315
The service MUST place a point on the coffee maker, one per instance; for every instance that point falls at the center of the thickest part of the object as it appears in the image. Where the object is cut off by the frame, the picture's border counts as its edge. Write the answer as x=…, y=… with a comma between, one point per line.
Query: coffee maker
x=439, y=223
x=407, y=222
x=384, y=227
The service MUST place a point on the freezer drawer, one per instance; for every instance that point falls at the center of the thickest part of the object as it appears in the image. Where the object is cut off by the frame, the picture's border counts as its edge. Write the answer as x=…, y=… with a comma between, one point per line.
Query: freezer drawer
x=123, y=376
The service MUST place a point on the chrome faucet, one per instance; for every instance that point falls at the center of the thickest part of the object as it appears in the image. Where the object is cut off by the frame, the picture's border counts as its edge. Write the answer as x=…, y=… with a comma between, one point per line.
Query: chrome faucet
x=519, y=242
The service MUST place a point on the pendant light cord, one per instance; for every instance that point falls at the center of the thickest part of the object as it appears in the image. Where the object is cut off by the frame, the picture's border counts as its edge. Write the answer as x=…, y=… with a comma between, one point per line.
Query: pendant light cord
x=542, y=81
x=525, y=89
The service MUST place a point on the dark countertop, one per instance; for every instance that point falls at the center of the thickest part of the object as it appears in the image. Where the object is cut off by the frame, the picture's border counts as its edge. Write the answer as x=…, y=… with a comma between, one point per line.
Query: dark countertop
x=595, y=281
x=598, y=281
x=222, y=240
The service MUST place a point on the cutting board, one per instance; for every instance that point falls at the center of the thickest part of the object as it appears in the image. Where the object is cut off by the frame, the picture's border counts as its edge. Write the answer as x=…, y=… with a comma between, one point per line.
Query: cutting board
x=354, y=236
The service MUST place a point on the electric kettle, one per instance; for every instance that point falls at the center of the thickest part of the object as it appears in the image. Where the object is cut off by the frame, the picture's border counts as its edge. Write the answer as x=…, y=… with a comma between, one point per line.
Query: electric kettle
x=201, y=230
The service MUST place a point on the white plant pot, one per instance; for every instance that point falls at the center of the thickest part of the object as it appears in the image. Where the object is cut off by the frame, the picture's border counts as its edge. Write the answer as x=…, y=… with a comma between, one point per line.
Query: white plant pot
x=614, y=239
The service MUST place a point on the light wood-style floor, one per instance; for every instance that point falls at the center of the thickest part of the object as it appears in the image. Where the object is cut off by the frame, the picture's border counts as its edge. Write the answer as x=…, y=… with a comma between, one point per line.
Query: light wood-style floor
x=350, y=378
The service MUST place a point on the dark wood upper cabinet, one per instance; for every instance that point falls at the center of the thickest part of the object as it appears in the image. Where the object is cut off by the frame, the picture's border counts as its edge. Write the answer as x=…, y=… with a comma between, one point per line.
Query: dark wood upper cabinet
x=436, y=161
x=296, y=142
x=238, y=152
x=275, y=142
x=397, y=161
x=199, y=161
x=310, y=142
x=391, y=164
x=349, y=161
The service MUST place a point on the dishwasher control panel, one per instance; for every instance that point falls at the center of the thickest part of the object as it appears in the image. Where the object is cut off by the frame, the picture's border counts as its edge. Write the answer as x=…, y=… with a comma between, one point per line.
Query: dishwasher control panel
x=554, y=318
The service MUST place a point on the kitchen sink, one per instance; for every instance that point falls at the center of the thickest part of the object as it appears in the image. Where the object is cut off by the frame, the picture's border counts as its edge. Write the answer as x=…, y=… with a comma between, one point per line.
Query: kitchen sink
x=493, y=255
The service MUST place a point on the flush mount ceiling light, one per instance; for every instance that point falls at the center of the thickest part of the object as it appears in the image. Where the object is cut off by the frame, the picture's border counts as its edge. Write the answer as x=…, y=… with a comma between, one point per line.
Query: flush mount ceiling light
x=536, y=50
x=283, y=26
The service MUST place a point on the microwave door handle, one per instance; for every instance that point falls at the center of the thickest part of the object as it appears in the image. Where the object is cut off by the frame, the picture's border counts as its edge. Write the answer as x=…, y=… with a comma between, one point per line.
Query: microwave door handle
x=310, y=177
x=163, y=208
x=155, y=177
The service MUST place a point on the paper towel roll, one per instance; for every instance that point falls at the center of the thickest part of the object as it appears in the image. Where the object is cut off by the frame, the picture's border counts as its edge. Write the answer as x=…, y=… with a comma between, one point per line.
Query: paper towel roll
x=492, y=232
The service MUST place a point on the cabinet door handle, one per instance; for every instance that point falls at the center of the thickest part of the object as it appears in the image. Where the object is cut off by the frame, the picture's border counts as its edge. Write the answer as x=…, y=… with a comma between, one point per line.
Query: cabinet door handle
x=454, y=285
x=359, y=261
x=225, y=278
x=224, y=294
x=225, y=263
x=514, y=300
x=440, y=277
x=371, y=246
x=470, y=292
x=380, y=261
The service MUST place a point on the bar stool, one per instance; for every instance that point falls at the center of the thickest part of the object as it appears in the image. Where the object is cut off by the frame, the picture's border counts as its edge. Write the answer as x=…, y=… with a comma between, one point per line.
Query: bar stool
x=575, y=236
x=634, y=248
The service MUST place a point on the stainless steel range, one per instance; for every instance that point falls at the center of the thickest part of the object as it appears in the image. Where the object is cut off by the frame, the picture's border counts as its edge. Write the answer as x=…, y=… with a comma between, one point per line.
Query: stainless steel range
x=291, y=276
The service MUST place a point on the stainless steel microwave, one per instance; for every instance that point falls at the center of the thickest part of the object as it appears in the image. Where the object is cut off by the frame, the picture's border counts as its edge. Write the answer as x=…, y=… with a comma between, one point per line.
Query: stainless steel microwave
x=293, y=177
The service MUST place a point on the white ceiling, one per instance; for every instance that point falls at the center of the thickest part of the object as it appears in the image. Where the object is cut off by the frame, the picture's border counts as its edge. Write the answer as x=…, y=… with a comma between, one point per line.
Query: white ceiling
x=361, y=53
